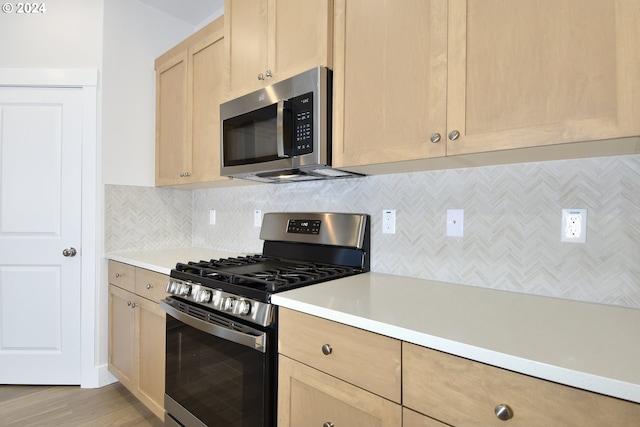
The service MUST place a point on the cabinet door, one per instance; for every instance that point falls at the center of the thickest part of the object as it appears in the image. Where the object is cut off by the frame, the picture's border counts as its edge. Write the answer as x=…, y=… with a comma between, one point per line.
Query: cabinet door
x=245, y=45
x=122, y=359
x=300, y=36
x=206, y=86
x=539, y=72
x=307, y=397
x=390, y=77
x=171, y=119
x=151, y=355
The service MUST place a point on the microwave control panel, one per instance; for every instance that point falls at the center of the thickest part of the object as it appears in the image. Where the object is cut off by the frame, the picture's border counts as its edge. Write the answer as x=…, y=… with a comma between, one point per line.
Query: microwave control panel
x=302, y=107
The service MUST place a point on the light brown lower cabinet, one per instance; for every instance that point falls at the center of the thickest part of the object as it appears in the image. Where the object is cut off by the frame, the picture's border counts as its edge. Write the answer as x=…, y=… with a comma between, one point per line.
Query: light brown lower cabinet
x=308, y=397
x=137, y=334
x=327, y=372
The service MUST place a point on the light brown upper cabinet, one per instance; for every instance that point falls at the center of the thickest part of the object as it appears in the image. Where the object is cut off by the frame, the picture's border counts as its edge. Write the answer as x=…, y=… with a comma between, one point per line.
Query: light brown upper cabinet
x=271, y=40
x=418, y=79
x=189, y=87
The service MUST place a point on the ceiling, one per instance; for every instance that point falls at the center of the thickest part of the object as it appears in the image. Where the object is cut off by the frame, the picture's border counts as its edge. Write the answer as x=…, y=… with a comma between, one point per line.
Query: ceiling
x=193, y=12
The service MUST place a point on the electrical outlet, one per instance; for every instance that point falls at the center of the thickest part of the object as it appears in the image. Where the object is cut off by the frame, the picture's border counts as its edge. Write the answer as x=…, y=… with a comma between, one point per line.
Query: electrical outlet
x=455, y=222
x=212, y=217
x=257, y=218
x=574, y=226
x=389, y=221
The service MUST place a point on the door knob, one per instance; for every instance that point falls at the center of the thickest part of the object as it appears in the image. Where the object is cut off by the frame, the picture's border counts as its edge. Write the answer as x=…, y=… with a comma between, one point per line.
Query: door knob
x=69, y=252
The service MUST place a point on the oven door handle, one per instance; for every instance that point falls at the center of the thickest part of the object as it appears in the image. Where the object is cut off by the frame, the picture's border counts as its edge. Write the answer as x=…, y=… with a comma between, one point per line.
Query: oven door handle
x=256, y=342
x=280, y=119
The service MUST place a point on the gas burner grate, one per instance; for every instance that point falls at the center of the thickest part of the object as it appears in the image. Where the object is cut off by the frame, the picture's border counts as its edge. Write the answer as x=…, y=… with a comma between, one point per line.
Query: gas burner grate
x=262, y=273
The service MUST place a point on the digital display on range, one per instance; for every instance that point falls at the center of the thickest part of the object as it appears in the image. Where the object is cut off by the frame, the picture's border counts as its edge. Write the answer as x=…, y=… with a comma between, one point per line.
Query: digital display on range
x=304, y=226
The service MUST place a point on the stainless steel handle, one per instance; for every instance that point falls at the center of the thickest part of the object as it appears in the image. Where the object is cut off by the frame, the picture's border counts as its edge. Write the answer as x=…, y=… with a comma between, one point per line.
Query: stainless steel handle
x=256, y=341
x=69, y=252
x=503, y=412
x=327, y=424
x=268, y=73
x=435, y=138
x=327, y=349
x=453, y=135
x=149, y=286
x=280, y=129
x=260, y=76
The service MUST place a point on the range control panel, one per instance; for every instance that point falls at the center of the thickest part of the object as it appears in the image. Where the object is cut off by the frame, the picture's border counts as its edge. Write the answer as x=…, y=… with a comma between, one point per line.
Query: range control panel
x=303, y=123
x=304, y=226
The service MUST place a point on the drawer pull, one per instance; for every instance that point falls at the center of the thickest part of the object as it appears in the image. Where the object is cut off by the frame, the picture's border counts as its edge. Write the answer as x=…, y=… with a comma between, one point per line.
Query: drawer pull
x=149, y=286
x=327, y=424
x=503, y=412
x=327, y=350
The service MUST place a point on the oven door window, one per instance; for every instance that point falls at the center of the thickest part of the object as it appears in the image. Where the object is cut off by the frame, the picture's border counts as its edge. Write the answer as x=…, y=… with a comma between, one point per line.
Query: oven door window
x=220, y=382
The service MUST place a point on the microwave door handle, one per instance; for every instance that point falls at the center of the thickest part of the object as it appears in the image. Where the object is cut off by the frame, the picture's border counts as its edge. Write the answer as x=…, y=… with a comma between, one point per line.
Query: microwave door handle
x=280, y=129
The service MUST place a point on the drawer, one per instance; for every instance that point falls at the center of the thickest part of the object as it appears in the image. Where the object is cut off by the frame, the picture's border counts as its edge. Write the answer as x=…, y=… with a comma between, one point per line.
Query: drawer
x=150, y=284
x=122, y=275
x=462, y=392
x=359, y=357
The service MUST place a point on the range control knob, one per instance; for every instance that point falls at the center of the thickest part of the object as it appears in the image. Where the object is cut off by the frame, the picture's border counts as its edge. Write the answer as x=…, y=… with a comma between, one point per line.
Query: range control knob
x=185, y=289
x=241, y=307
x=227, y=304
x=172, y=287
x=203, y=295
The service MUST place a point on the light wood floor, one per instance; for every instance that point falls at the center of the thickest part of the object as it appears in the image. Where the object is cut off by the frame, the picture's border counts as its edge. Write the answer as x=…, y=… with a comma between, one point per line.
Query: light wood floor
x=72, y=406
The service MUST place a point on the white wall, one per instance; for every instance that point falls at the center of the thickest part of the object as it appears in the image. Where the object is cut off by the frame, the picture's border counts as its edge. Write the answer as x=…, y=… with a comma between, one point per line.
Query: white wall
x=134, y=35
x=67, y=35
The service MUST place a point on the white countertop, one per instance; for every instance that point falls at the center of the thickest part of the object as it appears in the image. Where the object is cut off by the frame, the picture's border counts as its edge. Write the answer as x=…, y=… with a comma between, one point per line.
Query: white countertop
x=163, y=260
x=589, y=346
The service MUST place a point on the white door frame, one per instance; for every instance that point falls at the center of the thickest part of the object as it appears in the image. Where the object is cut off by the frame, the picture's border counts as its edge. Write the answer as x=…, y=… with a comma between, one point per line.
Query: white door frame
x=94, y=371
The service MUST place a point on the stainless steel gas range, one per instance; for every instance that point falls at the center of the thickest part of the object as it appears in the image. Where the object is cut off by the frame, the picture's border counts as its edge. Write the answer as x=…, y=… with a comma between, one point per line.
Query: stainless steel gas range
x=221, y=360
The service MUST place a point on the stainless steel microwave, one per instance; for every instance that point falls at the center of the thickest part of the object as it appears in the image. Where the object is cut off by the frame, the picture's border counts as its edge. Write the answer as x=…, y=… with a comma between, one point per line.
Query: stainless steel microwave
x=281, y=133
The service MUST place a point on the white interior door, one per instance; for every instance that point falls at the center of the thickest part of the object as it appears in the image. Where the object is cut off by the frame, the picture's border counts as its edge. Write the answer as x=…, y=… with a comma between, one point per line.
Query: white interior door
x=40, y=216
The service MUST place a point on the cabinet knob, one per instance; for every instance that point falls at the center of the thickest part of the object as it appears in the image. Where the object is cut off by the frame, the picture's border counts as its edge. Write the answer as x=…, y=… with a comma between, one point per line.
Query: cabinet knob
x=268, y=73
x=453, y=135
x=129, y=303
x=184, y=174
x=118, y=275
x=327, y=349
x=503, y=412
x=134, y=305
x=149, y=286
x=260, y=76
x=327, y=424
x=435, y=138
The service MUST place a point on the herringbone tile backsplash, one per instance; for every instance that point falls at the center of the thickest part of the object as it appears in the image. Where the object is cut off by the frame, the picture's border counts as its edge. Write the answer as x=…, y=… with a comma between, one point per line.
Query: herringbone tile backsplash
x=511, y=227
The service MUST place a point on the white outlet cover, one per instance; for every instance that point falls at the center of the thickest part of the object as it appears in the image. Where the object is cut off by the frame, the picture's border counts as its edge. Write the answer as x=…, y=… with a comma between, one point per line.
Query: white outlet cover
x=389, y=221
x=455, y=222
x=212, y=217
x=257, y=218
x=574, y=226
